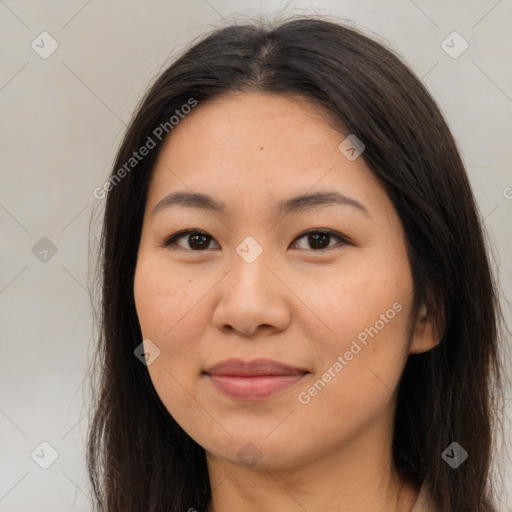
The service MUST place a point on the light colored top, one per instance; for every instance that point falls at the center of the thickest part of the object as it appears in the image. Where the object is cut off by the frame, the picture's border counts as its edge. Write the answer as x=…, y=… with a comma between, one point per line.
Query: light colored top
x=423, y=503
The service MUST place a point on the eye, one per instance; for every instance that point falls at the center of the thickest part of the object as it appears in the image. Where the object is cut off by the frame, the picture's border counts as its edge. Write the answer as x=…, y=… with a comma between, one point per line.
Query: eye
x=321, y=239
x=197, y=240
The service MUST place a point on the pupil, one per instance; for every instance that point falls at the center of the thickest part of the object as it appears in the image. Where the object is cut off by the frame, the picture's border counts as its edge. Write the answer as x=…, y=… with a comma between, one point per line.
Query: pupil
x=315, y=239
x=194, y=239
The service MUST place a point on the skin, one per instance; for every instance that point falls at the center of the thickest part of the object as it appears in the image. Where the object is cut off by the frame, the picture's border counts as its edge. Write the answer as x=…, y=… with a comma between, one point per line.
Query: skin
x=295, y=303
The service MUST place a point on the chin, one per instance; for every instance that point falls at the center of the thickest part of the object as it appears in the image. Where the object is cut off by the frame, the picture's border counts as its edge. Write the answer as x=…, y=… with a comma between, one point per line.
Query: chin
x=260, y=452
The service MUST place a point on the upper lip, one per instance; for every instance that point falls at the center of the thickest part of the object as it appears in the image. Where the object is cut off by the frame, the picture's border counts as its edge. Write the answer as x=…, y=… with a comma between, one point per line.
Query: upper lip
x=237, y=367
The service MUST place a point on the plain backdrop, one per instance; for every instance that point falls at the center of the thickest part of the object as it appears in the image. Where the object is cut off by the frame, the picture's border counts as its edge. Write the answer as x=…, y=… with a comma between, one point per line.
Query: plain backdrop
x=62, y=118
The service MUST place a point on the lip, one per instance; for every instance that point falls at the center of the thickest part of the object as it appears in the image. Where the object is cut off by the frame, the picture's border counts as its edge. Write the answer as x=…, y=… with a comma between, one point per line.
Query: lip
x=253, y=380
x=258, y=367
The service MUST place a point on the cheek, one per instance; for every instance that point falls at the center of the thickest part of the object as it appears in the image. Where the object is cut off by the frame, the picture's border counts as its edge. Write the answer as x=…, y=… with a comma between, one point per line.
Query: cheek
x=352, y=296
x=355, y=382
x=173, y=316
x=367, y=312
x=163, y=297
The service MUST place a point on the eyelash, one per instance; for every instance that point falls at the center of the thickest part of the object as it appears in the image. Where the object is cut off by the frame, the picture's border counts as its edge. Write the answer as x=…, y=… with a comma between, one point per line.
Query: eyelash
x=171, y=241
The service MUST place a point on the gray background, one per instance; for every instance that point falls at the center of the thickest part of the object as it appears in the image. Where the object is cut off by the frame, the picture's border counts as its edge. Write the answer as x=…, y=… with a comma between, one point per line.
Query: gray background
x=62, y=120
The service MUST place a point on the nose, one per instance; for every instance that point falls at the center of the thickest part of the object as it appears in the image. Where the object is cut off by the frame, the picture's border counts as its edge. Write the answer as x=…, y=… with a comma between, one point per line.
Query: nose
x=252, y=299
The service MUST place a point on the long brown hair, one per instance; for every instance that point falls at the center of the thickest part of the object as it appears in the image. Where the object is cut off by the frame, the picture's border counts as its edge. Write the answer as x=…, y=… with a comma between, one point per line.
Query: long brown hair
x=139, y=459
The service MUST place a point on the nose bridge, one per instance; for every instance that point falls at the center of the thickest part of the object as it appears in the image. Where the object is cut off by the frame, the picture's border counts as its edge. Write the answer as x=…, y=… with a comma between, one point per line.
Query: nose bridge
x=250, y=274
x=250, y=295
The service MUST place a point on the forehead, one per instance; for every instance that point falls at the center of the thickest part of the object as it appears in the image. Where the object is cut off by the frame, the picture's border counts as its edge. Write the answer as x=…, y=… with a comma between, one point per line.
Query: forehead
x=259, y=147
x=254, y=121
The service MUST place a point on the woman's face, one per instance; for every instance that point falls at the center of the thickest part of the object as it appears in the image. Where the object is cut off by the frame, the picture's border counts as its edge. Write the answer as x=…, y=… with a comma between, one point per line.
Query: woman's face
x=320, y=284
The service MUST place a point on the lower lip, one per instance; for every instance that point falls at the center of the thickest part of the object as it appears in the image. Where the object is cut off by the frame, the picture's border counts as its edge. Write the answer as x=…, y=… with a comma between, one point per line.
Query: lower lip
x=257, y=387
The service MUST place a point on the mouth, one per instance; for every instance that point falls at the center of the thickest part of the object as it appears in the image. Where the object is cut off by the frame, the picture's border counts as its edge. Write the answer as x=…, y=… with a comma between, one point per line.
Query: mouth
x=253, y=380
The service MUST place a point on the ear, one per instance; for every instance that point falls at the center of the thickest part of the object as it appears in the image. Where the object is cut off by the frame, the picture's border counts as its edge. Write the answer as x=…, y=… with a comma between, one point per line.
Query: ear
x=426, y=334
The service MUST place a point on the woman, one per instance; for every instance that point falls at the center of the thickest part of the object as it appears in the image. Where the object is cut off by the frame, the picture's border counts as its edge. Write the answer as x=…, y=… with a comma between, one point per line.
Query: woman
x=298, y=310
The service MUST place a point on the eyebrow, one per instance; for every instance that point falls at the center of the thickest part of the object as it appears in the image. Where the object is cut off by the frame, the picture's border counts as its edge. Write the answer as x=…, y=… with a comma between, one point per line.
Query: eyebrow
x=295, y=204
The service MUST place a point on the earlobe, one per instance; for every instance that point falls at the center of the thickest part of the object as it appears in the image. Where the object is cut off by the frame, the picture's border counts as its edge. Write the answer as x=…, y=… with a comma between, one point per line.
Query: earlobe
x=425, y=335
